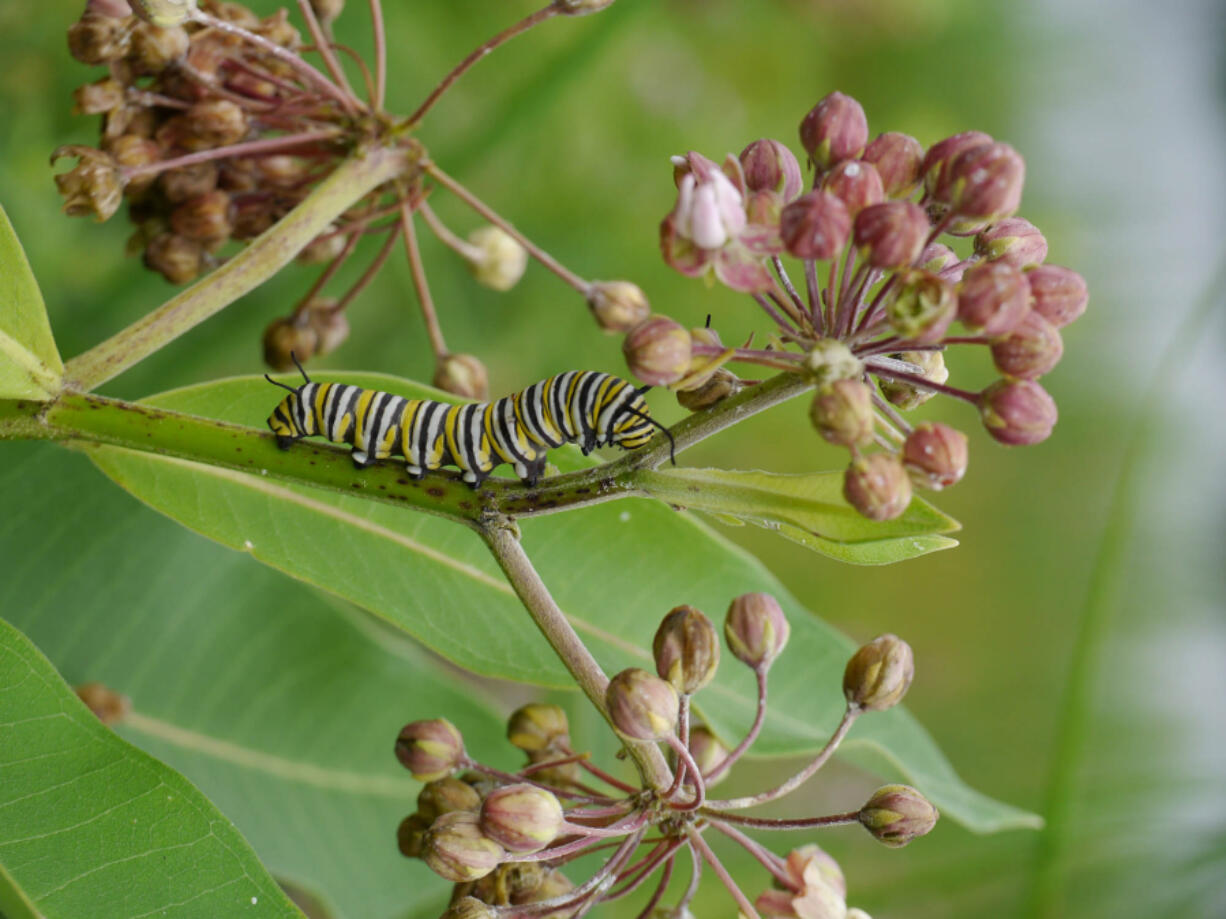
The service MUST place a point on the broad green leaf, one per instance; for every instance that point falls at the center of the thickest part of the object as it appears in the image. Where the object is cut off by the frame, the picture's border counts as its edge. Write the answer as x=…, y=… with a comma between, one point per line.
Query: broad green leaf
x=614, y=568
x=869, y=552
x=30, y=366
x=91, y=827
x=279, y=703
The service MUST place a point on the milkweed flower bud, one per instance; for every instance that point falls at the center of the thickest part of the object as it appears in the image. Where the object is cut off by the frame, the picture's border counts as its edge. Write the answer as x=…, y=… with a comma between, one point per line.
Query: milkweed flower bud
x=1017, y=412
x=462, y=374
x=105, y=95
x=879, y=674
x=410, y=834
x=892, y=234
x=109, y=706
x=829, y=360
x=710, y=210
x=834, y=130
x=922, y=307
x=722, y=384
x=133, y=151
x=430, y=749
x=152, y=49
x=323, y=248
x=930, y=365
x=537, y=726
x=326, y=11
x=185, y=182
x=469, y=908
x=1032, y=349
x=96, y=38
x=499, y=260
x=512, y=883
x=756, y=629
x=521, y=818
x=897, y=814
x=708, y=752
x=93, y=186
x=686, y=650
x=455, y=848
x=817, y=889
x=816, y=225
x=877, y=486
x=286, y=338
x=329, y=323
x=897, y=158
x=1013, y=240
x=985, y=182
x=855, y=183
x=936, y=455
x=208, y=124
x=771, y=166
x=618, y=306
x=939, y=259
x=442, y=796
x=935, y=165
x=842, y=413
x=204, y=218
x=642, y=706
x=164, y=13
x=993, y=298
x=658, y=350
x=176, y=258
x=1059, y=294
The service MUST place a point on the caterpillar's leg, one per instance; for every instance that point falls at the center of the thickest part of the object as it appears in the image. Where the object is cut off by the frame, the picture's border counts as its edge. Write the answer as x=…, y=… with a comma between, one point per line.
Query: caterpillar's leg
x=285, y=442
x=361, y=459
x=589, y=442
x=533, y=471
x=415, y=472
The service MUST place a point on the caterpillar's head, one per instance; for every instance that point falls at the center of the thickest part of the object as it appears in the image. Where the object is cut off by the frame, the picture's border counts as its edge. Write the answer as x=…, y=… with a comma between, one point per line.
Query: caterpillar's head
x=291, y=418
x=633, y=425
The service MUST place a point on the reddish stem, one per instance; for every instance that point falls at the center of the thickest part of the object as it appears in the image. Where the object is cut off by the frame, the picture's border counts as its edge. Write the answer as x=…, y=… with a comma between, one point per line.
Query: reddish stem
x=376, y=22
x=249, y=148
x=920, y=382
x=804, y=823
x=750, y=737
x=721, y=872
x=324, y=47
x=768, y=859
x=418, y=272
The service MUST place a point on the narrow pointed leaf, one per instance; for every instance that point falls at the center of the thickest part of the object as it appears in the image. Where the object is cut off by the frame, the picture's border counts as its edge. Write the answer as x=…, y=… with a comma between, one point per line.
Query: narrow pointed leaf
x=30, y=366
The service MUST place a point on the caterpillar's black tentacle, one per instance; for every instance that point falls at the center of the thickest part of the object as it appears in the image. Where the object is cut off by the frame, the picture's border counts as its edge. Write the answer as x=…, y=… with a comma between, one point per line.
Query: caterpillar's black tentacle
x=293, y=357
x=275, y=383
x=672, y=444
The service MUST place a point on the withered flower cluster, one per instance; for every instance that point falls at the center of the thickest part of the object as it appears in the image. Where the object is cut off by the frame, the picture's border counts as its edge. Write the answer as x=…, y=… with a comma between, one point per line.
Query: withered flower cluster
x=504, y=839
x=882, y=294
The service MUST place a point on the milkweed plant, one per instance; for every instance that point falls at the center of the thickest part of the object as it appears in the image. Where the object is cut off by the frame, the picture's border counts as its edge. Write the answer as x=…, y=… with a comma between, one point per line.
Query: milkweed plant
x=240, y=147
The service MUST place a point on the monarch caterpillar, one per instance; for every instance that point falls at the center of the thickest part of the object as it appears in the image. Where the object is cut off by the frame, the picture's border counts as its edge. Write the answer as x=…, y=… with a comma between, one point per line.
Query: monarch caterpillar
x=579, y=406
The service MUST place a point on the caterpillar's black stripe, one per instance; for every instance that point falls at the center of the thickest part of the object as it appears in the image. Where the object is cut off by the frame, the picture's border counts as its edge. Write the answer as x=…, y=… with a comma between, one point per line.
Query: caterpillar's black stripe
x=579, y=406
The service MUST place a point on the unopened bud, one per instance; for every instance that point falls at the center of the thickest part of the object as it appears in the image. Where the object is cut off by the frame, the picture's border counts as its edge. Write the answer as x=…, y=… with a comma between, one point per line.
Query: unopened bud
x=657, y=350
x=930, y=365
x=442, y=796
x=164, y=13
x=618, y=306
x=836, y=129
x=877, y=486
x=287, y=338
x=97, y=98
x=521, y=818
x=815, y=226
x=1017, y=412
x=879, y=674
x=922, y=307
x=133, y=151
x=469, y=908
x=330, y=325
x=1032, y=349
x=993, y=298
x=323, y=248
x=641, y=706
x=771, y=166
x=892, y=234
x=499, y=260
x=842, y=413
x=936, y=455
x=409, y=835
x=185, y=182
x=756, y=629
x=108, y=705
x=455, y=848
x=278, y=30
x=430, y=749
x=855, y=183
x=152, y=48
x=935, y=165
x=94, y=187
x=537, y=726
x=896, y=814
x=464, y=375
x=897, y=158
x=176, y=258
x=722, y=384
x=208, y=124
x=708, y=752
x=205, y=218
x=1013, y=240
x=830, y=359
x=281, y=170
x=512, y=883
x=326, y=11
x=686, y=650
x=1060, y=294
x=98, y=39
x=985, y=183
x=560, y=775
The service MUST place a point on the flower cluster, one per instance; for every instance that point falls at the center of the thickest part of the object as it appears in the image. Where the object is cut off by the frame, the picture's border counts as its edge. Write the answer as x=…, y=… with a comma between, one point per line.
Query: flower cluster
x=504, y=839
x=881, y=291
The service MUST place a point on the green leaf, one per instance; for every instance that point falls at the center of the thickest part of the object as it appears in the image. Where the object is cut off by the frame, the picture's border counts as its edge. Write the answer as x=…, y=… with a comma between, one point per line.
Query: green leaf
x=83, y=813
x=30, y=365
x=614, y=568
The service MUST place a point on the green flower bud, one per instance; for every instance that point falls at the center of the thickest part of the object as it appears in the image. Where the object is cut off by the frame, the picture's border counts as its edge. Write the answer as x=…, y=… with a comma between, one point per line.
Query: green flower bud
x=836, y=129
x=498, y=260
x=936, y=455
x=842, y=413
x=657, y=350
x=410, y=833
x=756, y=629
x=922, y=307
x=442, y=796
x=538, y=727
x=877, y=486
x=164, y=13
x=521, y=818
x=642, y=706
x=464, y=375
x=1017, y=412
x=831, y=360
x=455, y=848
x=930, y=365
x=617, y=306
x=469, y=908
x=430, y=749
x=879, y=674
x=686, y=650
x=896, y=814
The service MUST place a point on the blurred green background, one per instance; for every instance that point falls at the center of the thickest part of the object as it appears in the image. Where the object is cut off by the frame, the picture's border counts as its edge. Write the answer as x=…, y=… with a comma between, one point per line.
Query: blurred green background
x=1072, y=651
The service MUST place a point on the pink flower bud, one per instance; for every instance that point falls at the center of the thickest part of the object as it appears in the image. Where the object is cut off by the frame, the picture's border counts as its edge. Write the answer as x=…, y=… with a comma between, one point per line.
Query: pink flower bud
x=1013, y=240
x=1032, y=349
x=836, y=129
x=897, y=158
x=815, y=226
x=686, y=650
x=855, y=183
x=892, y=234
x=710, y=210
x=430, y=749
x=879, y=674
x=658, y=350
x=985, y=182
x=993, y=298
x=877, y=486
x=537, y=726
x=937, y=258
x=1017, y=412
x=521, y=818
x=935, y=454
x=897, y=814
x=842, y=413
x=935, y=164
x=617, y=306
x=756, y=629
x=922, y=307
x=1060, y=294
x=455, y=848
x=770, y=166
x=642, y=706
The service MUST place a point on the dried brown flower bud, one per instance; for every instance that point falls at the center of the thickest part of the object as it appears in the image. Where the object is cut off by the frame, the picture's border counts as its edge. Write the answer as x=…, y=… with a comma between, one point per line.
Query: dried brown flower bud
x=330, y=325
x=879, y=674
x=1017, y=412
x=327, y=10
x=176, y=258
x=842, y=413
x=686, y=650
x=1032, y=349
x=278, y=30
x=641, y=706
x=430, y=749
x=464, y=375
x=455, y=848
x=935, y=165
x=208, y=124
x=657, y=350
x=184, y=182
x=836, y=129
x=108, y=705
x=98, y=39
x=1060, y=294
x=323, y=248
x=152, y=49
x=521, y=818
x=922, y=307
x=816, y=225
x=993, y=298
x=756, y=629
x=465, y=907
x=897, y=814
x=498, y=260
x=855, y=183
x=722, y=384
x=892, y=234
x=538, y=727
x=771, y=166
x=1013, y=240
x=409, y=835
x=93, y=186
x=442, y=796
x=134, y=151
x=930, y=365
x=95, y=98
x=204, y=218
x=897, y=158
x=877, y=486
x=618, y=306
x=164, y=13
x=512, y=883
x=935, y=454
